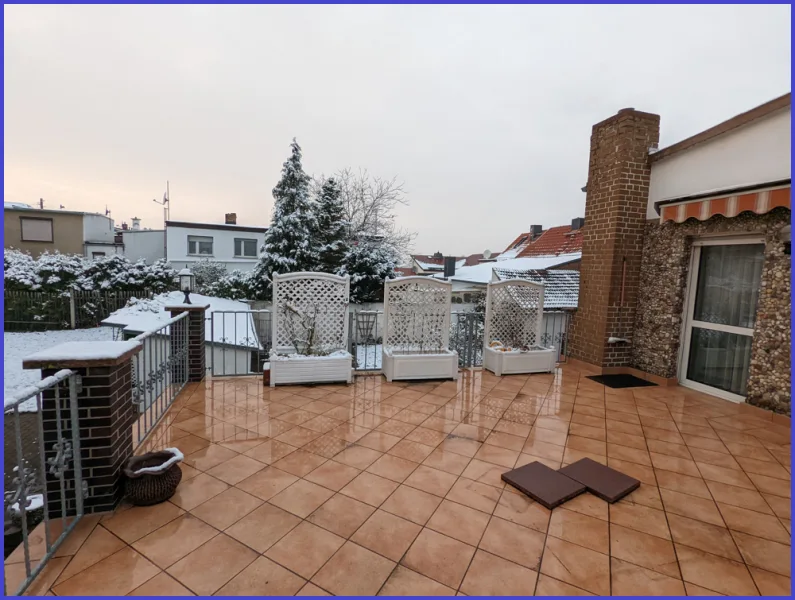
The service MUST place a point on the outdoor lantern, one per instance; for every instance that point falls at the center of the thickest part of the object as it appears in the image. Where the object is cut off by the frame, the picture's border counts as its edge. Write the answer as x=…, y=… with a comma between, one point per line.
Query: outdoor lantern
x=186, y=282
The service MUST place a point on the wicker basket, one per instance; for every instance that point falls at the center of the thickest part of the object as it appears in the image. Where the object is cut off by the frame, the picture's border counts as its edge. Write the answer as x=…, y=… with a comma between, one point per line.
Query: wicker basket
x=153, y=478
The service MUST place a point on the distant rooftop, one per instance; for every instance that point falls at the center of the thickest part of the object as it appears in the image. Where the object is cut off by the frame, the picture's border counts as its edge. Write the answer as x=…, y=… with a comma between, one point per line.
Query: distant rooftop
x=561, y=287
x=28, y=207
x=482, y=273
x=553, y=241
x=196, y=225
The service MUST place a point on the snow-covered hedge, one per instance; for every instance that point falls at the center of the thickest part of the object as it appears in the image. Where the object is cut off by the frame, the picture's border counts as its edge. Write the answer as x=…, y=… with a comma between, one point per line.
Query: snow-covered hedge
x=63, y=272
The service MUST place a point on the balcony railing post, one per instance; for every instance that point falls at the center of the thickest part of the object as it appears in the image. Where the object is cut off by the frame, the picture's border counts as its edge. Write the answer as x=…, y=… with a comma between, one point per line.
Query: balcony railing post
x=87, y=424
x=197, y=354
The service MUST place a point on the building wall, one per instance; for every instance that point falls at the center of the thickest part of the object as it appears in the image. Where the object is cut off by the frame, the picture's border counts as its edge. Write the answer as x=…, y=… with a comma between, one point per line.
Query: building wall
x=756, y=153
x=108, y=249
x=98, y=228
x=660, y=314
x=147, y=245
x=67, y=231
x=615, y=218
x=223, y=247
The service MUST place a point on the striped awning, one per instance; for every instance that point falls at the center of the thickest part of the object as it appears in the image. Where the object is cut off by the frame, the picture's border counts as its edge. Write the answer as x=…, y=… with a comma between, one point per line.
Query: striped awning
x=758, y=202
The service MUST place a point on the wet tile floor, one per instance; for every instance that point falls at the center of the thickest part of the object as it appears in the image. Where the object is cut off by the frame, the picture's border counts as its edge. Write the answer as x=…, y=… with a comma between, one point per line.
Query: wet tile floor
x=394, y=489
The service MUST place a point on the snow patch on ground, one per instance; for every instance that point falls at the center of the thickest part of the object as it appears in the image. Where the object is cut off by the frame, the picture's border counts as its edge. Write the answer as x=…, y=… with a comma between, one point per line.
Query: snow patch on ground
x=368, y=357
x=232, y=322
x=17, y=346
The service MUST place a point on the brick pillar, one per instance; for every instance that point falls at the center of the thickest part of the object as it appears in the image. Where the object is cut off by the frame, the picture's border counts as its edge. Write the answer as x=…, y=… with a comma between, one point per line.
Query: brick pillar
x=615, y=216
x=105, y=415
x=197, y=355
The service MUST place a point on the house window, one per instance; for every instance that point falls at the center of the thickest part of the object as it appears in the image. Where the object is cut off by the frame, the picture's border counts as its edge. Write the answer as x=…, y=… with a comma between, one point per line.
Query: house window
x=245, y=248
x=36, y=229
x=200, y=245
x=97, y=254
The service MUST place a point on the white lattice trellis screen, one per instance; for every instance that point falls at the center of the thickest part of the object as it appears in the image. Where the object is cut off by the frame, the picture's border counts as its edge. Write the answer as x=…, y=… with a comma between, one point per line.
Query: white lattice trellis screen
x=417, y=315
x=310, y=312
x=514, y=313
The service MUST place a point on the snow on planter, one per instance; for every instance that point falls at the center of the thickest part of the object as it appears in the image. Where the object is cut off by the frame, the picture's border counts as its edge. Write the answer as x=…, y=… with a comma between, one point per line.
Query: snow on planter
x=310, y=329
x=417, y=330
x=514, y=316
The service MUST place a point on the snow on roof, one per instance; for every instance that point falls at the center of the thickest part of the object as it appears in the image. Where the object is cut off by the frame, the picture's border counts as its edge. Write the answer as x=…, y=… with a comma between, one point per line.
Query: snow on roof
x=232, y=322
x=12, y=205
x=192, y=225
x=482, y=273
x=430, y=263
x=561, y=287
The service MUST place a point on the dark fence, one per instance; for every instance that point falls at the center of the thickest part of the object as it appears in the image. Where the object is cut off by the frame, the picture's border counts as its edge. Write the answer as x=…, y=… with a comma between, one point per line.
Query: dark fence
x=46, y=311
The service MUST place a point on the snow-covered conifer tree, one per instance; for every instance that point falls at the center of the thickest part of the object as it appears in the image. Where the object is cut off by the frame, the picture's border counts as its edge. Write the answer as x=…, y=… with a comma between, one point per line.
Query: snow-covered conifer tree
x=332, y=229
x=289, y=246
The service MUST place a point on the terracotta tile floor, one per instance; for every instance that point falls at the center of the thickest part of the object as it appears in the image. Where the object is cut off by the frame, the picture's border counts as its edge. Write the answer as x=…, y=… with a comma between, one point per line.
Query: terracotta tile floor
x=395, y=489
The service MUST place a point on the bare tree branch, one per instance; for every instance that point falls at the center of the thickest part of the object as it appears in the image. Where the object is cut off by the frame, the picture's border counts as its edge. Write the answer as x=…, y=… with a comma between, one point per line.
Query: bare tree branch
x=370, y=203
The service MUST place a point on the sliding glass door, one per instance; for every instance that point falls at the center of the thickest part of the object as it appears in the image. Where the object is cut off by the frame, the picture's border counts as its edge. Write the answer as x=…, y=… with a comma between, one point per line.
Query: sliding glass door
x=721, y=312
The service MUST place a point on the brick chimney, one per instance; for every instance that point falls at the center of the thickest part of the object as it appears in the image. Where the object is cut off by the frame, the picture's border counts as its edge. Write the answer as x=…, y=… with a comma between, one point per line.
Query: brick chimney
x=615, y=210
x=231, y=219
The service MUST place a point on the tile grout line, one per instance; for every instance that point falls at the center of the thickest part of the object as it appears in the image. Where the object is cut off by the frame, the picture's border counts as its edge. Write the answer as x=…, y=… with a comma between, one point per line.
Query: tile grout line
x=722, y=519
x=546, y=533
x=665, y=512
x=491, y=430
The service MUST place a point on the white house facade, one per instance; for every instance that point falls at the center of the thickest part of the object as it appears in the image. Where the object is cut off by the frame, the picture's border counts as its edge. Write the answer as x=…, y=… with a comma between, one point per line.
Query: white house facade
x=146, y=244
x=234, y=246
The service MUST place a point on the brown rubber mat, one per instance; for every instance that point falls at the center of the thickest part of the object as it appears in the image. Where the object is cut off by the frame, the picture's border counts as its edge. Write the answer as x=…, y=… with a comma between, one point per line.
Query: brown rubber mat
x=604, y=482
x=544, y=485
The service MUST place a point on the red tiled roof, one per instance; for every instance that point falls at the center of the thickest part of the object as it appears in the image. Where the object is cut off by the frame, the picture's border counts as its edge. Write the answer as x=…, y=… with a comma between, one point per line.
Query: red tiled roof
x=553, y=241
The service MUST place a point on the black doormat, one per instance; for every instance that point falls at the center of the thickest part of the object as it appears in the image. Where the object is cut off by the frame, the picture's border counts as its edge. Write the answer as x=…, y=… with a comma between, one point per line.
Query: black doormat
x=620, y=381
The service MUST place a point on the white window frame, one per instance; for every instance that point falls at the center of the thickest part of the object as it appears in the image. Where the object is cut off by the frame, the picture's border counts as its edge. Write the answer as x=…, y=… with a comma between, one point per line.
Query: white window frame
x=242, y=246
x=197, y=239
x=689, y=306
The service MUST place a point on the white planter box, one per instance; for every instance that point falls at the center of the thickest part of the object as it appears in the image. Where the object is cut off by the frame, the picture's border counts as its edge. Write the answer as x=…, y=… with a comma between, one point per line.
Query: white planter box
x=420, y=366
x=512, y=363
x=311, y=369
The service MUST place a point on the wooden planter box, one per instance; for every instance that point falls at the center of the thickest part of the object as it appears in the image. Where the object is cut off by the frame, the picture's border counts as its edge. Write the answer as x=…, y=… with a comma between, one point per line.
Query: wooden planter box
x=443, y=365
x=515, y=362
x=311, y=369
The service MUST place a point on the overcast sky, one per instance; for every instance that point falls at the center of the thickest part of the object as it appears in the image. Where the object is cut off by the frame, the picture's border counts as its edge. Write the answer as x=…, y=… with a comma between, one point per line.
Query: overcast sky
x=484, y=112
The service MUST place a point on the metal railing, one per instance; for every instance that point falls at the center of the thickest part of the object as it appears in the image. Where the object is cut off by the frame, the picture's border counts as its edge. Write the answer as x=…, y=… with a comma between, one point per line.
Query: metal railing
x=556, y=332
x=160, y=371
x=466, y=338
x=364, y=339
x=68, y=309
x=240, y=341
x=44, y=418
